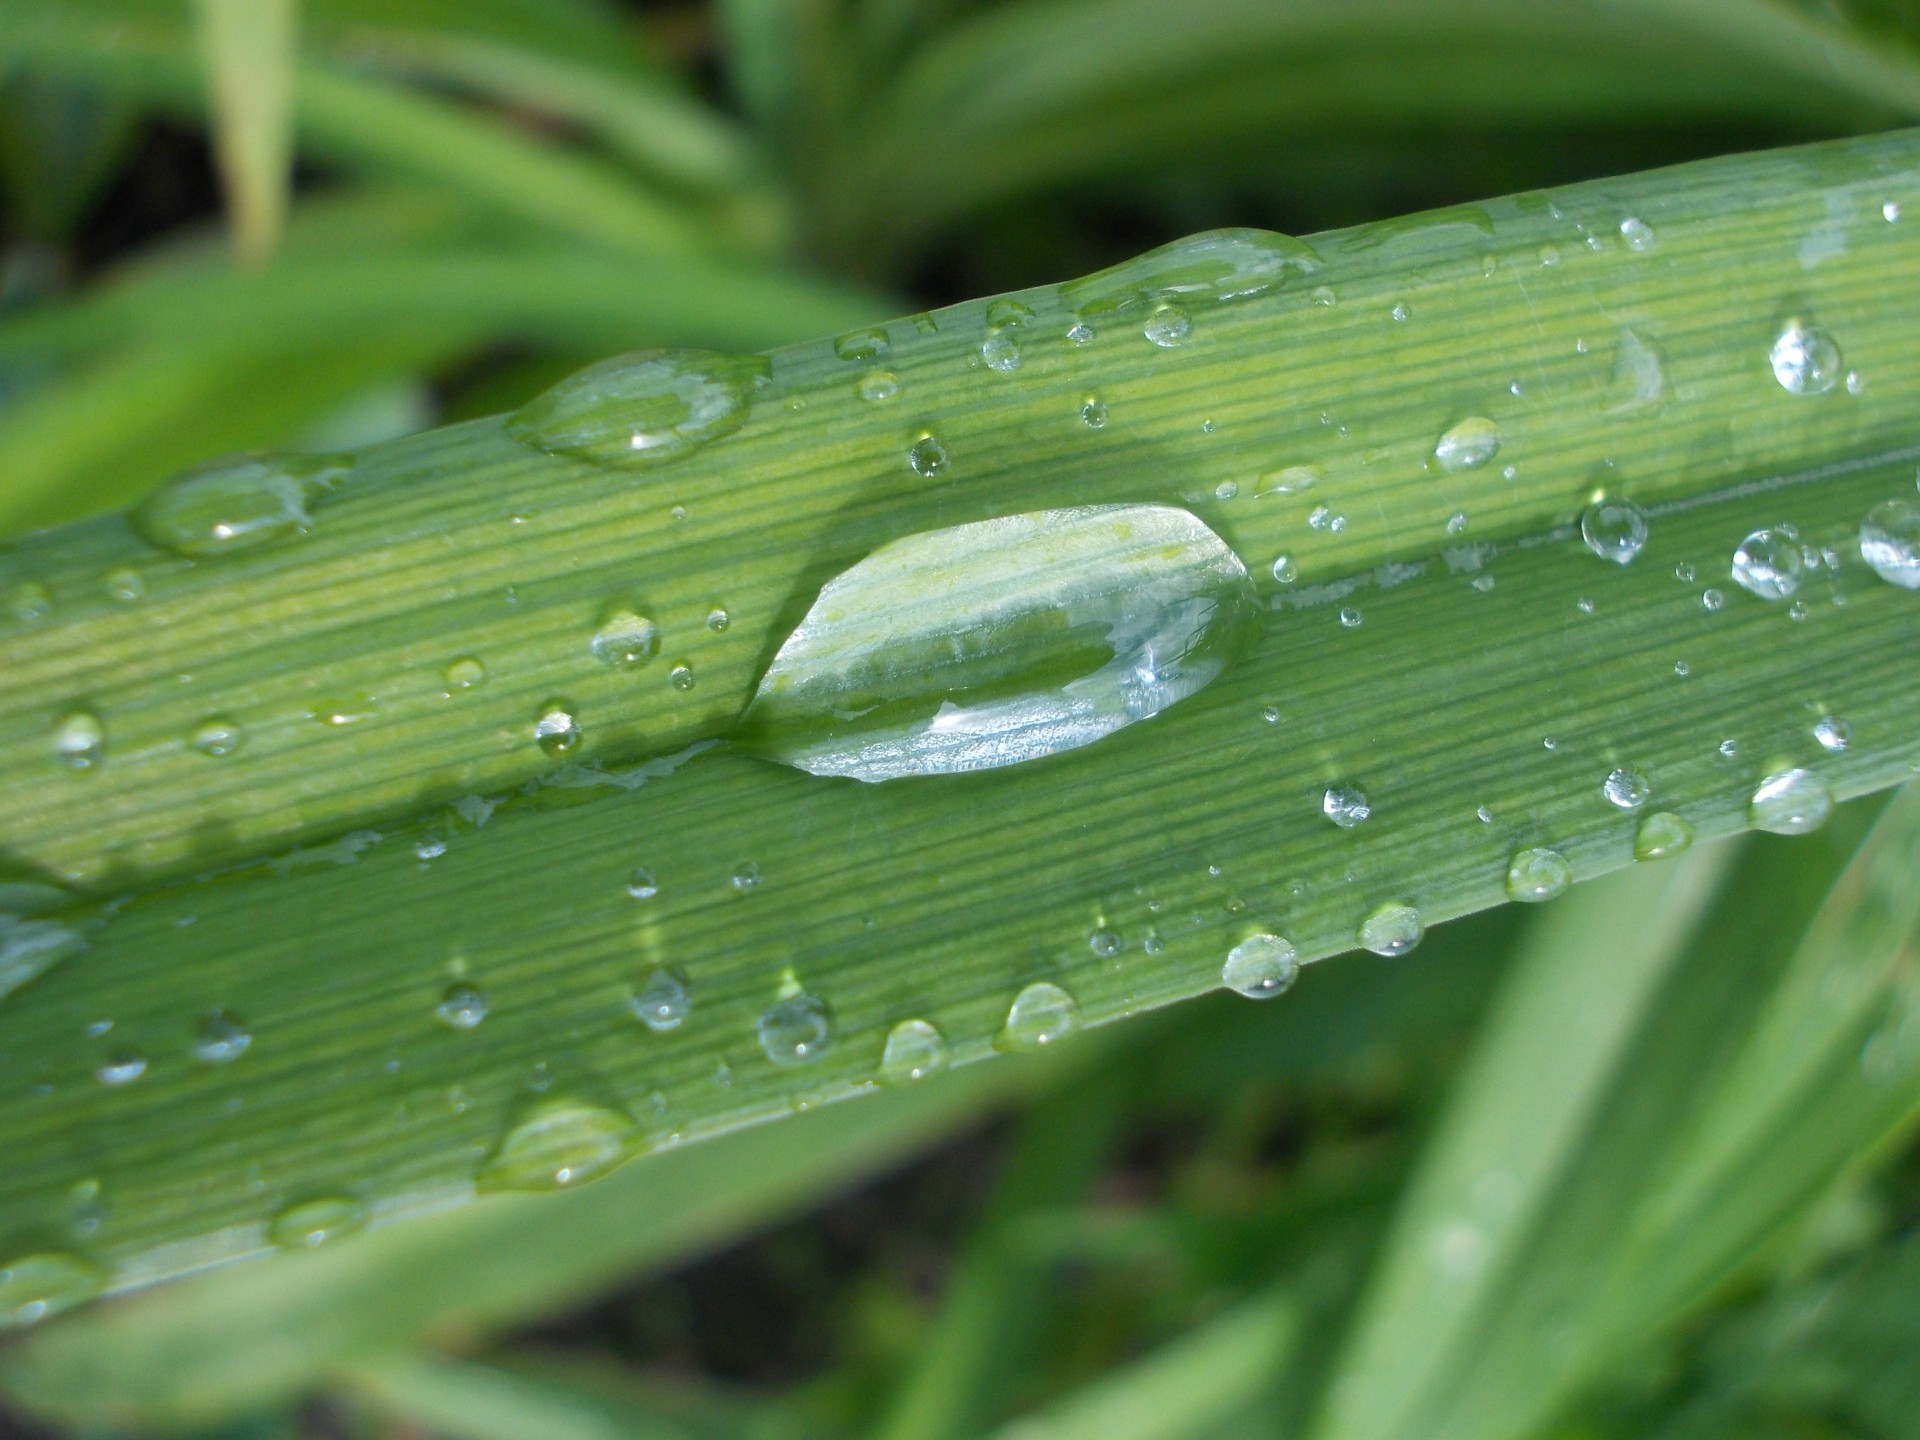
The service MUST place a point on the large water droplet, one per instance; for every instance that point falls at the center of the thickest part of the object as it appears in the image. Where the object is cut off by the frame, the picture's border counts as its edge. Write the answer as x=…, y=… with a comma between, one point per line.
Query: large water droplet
x=1661, y=834
x=1003, y=641
x=1805, y=360
x=914, y=1051
x=557, y=728
x=625, y=638
x=220, y=1039
x=309, y=1224
x=461, y=1008
x=30, y=948
x=1890, y=542
x=796, y=1029
x=1626, y=788
x=1345, y=805
x=1215, y=266
x=1768, y=563
x=558, y=1142
x=1261, y=967
x=1637, y=233
x=1537, y=875
x=1468, y=445
x=1614, y=530
x=1168, y=326
x=80, y=740
x=235, y=505
x=1040, y=1015
x=643, y=408
x=1792, y=802
x=40, y=1284
x=663, y=1002
x=1001, y=351
x=1392, y=929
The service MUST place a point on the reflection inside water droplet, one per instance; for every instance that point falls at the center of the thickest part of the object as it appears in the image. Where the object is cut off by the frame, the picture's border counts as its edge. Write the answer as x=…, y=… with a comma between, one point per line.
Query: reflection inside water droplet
x=1040, y=1015
x=914, y=1050
x=1261, y=967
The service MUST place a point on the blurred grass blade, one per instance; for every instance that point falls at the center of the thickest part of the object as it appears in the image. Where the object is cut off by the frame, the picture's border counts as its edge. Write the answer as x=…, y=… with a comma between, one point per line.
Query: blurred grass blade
x=250, y=47
x=58, y=146
x=1564, y=1022
x=1761, y=1074
x=1184, y=1389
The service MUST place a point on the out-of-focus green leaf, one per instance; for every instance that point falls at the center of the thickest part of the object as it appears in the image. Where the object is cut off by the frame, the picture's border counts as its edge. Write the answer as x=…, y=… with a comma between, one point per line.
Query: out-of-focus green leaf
x=58, y=146
x=250, y=47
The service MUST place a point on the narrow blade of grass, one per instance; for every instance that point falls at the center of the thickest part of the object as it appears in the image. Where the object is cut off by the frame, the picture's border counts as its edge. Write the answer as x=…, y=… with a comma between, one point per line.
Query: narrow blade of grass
x=250, y=47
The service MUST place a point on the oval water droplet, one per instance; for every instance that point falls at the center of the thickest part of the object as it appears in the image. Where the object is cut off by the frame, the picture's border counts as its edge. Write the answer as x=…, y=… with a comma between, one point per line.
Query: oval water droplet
x=1093, y=413
x=1804, y=359
x=1285, y=572
x=1345, y=805
x=681, y=676
x=1639, y=375
x=718, y=619
x=1661, y=834
x=868, y=344
x=1168, y=326
x=464, y=674
x=1209, y=268
x=1261, y=967
x=1614, y=530
x=461, y=1008
x=124, y=584
x=1768, y=563
x=80, y=740
x=236, y=505
x=1003, y=641
x=1890, y=542
x=557, y=728
x=1626, y=788
x=1392, y=929
x=624, y=638
x=643, y=408
x=1833, y=733
x=220, y=1039
x=914, y=1050
x=1468, y=445
x=41, y=1284
x=123, y=1069
x=217, y=736
x=641, y=885
x=878, y=385
x=1105, y=943
x=1791, y=802
x=1537, y=875
x=1001, y=351
x=1637, y=233
x=663, y=1002
x=796, y=1029
x=30, y=948
x=556, y=1142
x=309, y=1224
x=1040, y=1015
x=927, y=457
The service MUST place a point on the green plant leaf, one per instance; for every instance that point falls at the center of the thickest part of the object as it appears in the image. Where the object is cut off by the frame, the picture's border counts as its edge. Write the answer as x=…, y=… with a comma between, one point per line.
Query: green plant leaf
x=250, y=47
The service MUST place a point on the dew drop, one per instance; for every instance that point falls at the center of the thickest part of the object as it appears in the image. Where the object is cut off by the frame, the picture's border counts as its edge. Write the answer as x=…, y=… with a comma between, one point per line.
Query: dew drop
x=1001, y=351
x=557, y=728
x=745, y=877
x=1457, y=522
x=1537, y=875
x=1040, y=1015
x=1833, y=733
x=123, y=1069
x=1890, y=542
x=643, y=408
x=1890, y=212
x=43, y=1283
x=641, y=885
x=1080, y=332
x=1289, y=480
x=927, y=456
x=1284, y=570
x=718, y=619
x=624, y=638
x=1324, y=297
x=461, y=1008
x=914, y=1050
x=1661, y=834
x=1261, y=967
x=1350, y=616
x=311, y=1223
x=80, y=740
x=1093, y=413
x=340, y=710
x=558, y=1142
x=868, y=344
x=1400, y=311
x=1712, y=599
x=464, y=674
x=1805, y=360
x=30, y=948
x=236, y=505
x=1392, y=929
x=29, y=601
x=878, y=385
x=429, y=849
x=1614, y=530
x=1345, y=805
x=217, y=736
x=220, y=1039
x=663, y=1002
x=681, y=676
x=1768, y=564
x=1791, y=802
x=1637, y=233
x=125, y=584
x=796, y=1030
x=1214, y=267
x=1468, y=445
x=1626, y=788
x=1105, y=943
x=1168, y=326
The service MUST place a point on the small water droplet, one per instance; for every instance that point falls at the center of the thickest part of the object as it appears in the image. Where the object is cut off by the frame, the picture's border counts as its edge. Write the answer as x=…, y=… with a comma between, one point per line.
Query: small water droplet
x=41, y=1284
x=311, y=1223
x=1549, y=255
x=869, y=344
x=29, y=601
x=1637, y=233
x=125, y=584
x=663, y=1002
x=30, y=948
x=681, y=676
x=1661, y=834
x=927, y=456
x=461, y=1008
x=745, y=877
x=1284, y=570
x=220, y=1039
x=1483, y=815
x=217, y=736
x=1040, y=1015
x=1215, y=267
x=1805, y=360
x=235, y=505
x=624, y=638
x=1712, y=599
x=1350, y=616
x=1482, y=583
x=558, y=1142
x=1684, y=573
x=1833, y=733
x=464, y=674
x=1537, y=875
x=1890, y=211
x=642, y=408
x=1400, y=311
x=1791, y=802
x=1890, y=542
x=1168, y=326
x=1289, y=480
x=1001, y=351
x=431, y=848
x=1682, y=669
x=1226, y=490
x=641, y=884
x=1614, y=530
x=123, y=1069
x=878, y=385
x=1345, y=805
x=1457, y=522
x=718, y=619
x=1468, y=445
x=80, y=740
x=1768, y=563
x=1093, y=413
x=1729, y=749
x=1261, y=967
x=557, y=728
x=914, y=1050
x=1584, y=605
x=1323, y=517
x=796, y=1030
x=1392, y=929
x=340, y=710
x=1271, y=714
x=1627, y=788
x=1105, y=943
x=1080, y=332
x=1856, y=383
x=1323, y=296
